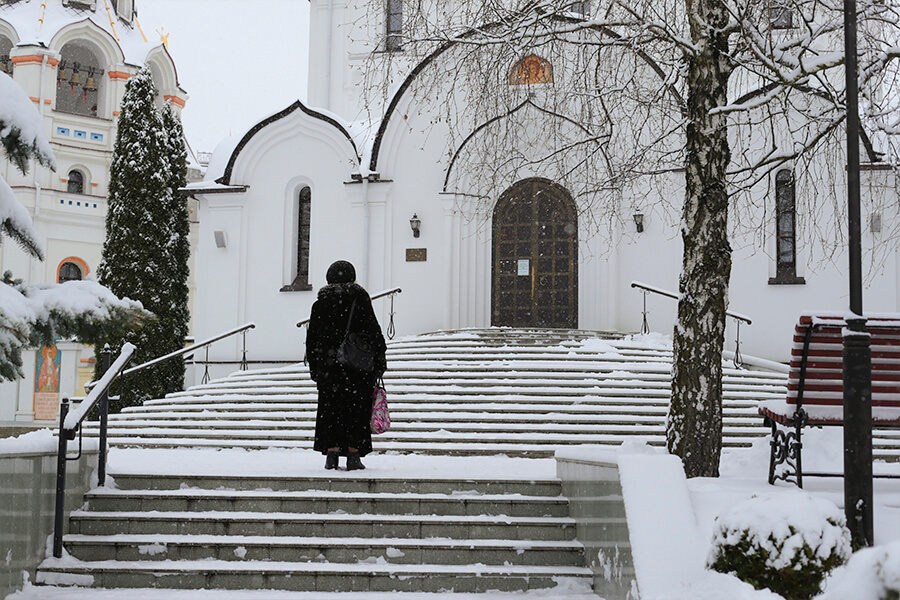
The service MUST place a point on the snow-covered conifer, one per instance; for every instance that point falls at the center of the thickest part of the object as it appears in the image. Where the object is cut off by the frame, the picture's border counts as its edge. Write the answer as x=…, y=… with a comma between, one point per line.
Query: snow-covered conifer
x=146, y=247
x=34, y=315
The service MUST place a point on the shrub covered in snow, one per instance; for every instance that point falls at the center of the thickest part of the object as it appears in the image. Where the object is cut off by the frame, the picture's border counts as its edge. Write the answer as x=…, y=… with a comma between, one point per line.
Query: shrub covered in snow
x=786, y=542
x=871, y=574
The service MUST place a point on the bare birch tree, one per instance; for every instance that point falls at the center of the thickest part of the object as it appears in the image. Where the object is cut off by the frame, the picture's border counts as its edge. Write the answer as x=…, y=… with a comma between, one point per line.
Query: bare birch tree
x=717, y=93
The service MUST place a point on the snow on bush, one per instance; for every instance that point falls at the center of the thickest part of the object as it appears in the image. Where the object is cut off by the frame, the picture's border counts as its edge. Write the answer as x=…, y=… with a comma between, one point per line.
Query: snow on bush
x=871, y=574
x=786, y=542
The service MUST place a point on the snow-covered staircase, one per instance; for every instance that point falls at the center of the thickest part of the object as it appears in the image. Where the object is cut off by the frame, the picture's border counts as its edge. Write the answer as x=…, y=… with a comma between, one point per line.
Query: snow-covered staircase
x=464, y=396
x=470, y=392
x=339, y=533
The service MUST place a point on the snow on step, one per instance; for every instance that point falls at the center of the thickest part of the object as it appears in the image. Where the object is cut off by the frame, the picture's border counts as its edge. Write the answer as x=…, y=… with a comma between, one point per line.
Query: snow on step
x=400, y=526
x=471, y=391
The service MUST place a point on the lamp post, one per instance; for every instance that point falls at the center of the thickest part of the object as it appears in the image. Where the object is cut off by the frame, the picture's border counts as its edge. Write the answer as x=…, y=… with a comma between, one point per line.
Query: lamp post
x=857, y=354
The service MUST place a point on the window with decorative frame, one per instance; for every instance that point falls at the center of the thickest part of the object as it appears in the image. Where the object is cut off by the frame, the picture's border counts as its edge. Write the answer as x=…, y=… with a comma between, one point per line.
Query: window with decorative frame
x=531, y=70
x=69, y=271
x=301, y=276
x=785, y=230
x=393, y=25
x=75, y=182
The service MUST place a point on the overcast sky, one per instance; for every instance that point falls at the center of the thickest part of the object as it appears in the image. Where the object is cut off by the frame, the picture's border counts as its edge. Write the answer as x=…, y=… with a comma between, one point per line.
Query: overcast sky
x=238, y=60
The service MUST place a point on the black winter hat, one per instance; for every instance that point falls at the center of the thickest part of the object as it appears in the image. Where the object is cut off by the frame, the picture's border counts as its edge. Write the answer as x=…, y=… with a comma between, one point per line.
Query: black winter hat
x=340, y=271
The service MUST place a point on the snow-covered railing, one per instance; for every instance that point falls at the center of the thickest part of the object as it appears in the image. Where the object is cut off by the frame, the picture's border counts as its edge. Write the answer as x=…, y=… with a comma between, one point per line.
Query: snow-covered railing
x=193, y=348
x=738, y=318
x=390, y=331
x=69, y=425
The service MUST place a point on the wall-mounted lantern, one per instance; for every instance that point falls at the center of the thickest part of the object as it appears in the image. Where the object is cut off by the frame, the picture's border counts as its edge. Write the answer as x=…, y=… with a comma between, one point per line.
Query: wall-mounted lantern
x=415, y=223
x=639, y=222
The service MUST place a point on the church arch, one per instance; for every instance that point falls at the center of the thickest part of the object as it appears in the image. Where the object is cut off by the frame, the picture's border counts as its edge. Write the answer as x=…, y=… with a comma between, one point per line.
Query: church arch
x=398, y=96
x=225, y=179
x=534, y=255
x=81, y=87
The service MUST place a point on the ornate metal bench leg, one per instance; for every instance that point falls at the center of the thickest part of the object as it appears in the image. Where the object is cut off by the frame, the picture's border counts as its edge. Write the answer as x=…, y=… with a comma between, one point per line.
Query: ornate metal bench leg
x=797, y=448
x=773, y=449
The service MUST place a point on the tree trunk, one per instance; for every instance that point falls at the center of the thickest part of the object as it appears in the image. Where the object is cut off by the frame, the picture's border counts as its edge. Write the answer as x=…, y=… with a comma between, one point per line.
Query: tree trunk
x=694, y=423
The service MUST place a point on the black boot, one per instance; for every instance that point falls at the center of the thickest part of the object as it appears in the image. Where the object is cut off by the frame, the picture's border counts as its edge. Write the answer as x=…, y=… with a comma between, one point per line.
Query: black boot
x=331, y=460
x=353, y=462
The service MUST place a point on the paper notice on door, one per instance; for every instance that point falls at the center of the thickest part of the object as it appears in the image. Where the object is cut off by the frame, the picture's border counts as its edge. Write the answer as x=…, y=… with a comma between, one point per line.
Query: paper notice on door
x=524, y=267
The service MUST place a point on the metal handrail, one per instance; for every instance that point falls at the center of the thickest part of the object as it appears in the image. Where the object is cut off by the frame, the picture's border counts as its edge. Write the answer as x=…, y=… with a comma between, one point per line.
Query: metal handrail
x=738, y=360
x=186, y=350
x=390, y=293
x=69, y=423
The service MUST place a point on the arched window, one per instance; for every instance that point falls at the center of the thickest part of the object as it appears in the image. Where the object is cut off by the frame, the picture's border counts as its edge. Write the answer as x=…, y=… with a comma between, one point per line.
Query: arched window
x=531, y=70
x=301, y=277
x=70, y=271
x=785, y=229
x=393, y=25
x=75, y=184
x=78, y=79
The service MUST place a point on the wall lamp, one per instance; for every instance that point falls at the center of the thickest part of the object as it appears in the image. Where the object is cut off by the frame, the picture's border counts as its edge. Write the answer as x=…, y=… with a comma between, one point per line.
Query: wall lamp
x=414, y=224
x=639, y=222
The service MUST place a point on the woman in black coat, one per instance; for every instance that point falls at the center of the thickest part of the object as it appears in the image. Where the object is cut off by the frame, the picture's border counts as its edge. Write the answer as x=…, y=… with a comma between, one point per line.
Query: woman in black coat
x=345, y=395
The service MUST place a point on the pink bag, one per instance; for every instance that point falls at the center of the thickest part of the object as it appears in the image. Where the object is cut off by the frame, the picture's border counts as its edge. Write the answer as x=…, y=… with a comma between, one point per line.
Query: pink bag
x=381, y=418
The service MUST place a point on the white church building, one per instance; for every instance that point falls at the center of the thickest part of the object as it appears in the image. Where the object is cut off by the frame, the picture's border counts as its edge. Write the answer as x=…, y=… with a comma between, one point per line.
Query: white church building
x=502, y=237
x=73, y=58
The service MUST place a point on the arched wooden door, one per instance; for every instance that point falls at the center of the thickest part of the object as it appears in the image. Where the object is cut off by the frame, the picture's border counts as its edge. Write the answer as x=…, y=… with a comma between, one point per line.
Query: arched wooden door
x=535, y=257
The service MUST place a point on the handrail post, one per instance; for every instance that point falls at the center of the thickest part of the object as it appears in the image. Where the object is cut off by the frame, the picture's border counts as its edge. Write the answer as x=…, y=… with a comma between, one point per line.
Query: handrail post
x=205, y=378
x=738, y=360
x=104, y=414
x=60, y=480
x=391, y=331
x=243, y=350
x=645, y=325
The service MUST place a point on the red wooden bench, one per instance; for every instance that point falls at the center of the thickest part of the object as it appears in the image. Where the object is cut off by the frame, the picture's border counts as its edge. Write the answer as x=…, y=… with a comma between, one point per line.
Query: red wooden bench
x=816, y=391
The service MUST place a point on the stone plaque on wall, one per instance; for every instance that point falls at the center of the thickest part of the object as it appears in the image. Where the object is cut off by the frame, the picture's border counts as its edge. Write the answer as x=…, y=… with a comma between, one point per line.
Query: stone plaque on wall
x=416, y=254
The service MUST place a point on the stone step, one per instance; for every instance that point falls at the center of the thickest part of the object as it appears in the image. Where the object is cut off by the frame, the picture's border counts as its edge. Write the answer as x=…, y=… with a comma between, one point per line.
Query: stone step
x=344, y=483
x=308, y=501
x=309, y=576
x=439, y=433
x=402, y=415
x=285, y=524
x=566, y=589
x=440, y=551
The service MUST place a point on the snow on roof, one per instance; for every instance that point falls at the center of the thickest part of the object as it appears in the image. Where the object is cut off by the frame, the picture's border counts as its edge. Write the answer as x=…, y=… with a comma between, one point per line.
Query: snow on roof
x=36, y=23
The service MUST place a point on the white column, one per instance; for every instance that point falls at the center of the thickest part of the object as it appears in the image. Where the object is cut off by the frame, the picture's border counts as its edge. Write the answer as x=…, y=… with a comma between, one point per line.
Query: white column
x=451, y=258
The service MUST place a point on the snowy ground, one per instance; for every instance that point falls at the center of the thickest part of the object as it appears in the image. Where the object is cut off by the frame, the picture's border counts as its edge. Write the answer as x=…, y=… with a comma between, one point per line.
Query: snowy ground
x=743, y=476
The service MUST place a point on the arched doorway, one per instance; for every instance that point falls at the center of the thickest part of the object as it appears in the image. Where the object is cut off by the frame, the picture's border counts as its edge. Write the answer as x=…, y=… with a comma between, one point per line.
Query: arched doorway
x=535, y=257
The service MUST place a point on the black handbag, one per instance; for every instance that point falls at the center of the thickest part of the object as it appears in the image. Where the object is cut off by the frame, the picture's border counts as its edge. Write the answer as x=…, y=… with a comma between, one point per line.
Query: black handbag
x=356, y=351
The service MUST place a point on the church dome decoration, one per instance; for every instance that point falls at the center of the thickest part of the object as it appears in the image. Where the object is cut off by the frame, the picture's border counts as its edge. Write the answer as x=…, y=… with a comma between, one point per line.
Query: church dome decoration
x=45, y=24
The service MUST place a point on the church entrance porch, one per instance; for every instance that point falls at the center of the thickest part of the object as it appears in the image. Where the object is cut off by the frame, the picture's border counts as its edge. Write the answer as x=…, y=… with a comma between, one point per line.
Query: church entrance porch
x=535, y=257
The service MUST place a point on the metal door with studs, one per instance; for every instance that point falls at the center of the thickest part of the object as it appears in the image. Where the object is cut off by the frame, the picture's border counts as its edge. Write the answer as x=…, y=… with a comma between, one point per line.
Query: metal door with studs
x=535, y=257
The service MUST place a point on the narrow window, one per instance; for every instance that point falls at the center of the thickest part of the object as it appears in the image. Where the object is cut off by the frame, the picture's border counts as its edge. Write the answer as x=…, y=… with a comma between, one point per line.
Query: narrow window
x=582, y=9
x=394, y=25
x=781, y=16
x=75, y=184
x=531, y=70
x=301, y=278
x=785, y=230
x=69, y=271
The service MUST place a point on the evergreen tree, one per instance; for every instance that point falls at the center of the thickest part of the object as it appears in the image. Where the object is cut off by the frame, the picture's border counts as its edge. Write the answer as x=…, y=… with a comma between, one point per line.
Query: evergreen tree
x=36, y=315
x=146, y=249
